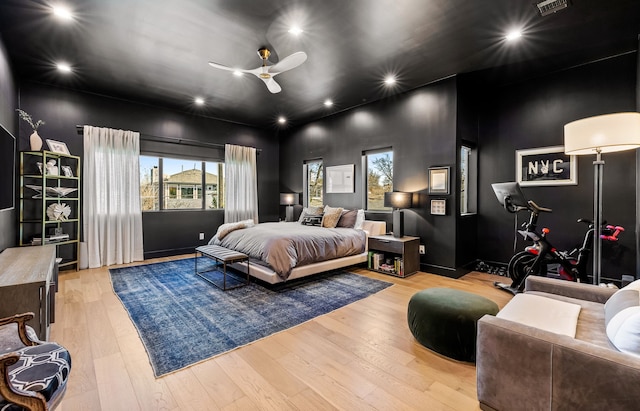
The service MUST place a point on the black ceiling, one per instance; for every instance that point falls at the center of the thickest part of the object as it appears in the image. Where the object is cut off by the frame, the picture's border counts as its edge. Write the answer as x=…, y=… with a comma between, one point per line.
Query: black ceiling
x=156, y=51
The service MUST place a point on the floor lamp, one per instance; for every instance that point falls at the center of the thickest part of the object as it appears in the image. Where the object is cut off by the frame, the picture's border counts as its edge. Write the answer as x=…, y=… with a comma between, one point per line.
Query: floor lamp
x=289, y=199
x=597, y=135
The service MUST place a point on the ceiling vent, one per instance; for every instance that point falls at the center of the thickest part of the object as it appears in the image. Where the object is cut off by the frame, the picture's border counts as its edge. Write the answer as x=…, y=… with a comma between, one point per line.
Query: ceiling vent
x=551, y=6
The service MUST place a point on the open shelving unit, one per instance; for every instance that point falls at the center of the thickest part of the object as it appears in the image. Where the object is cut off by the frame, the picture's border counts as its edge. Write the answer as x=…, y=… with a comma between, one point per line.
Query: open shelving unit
x=40, y=191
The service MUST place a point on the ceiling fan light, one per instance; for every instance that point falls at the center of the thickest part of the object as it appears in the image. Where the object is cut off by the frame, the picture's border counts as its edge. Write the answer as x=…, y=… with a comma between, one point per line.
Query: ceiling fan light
x=282, y=120
x=199, y=101
x=296, y=31
x=63, y=67
x=513, y=35
x=328, y=103
x=389, y=80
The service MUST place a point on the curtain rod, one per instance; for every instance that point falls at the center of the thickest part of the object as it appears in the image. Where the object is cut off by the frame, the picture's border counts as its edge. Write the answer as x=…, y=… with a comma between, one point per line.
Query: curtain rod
x=175, y=140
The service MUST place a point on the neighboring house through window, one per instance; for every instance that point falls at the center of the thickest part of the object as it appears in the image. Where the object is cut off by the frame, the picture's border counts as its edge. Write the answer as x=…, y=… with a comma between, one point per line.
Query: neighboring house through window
x=183, y=184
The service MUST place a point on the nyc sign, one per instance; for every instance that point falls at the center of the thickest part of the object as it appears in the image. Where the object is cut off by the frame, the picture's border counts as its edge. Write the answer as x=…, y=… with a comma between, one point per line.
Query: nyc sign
x=547, y=166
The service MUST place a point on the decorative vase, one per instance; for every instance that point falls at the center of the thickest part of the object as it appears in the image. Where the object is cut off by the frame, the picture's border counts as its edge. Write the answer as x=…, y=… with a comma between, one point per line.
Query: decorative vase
x=35, y=141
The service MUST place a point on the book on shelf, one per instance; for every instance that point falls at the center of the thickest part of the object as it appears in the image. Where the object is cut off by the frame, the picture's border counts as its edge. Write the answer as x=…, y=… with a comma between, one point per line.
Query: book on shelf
x=51, y=239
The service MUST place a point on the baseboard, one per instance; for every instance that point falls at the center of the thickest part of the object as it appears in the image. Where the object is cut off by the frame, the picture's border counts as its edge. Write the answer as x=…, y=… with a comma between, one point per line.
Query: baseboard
x=169, y=253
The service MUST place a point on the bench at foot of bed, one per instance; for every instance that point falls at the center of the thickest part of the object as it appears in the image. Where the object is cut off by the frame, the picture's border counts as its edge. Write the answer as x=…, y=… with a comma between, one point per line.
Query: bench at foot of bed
x=224, y=256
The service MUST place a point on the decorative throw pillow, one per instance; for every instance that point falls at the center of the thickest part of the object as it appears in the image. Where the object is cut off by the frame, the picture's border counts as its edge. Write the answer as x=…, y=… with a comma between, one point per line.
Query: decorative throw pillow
x=359, y=220
x=310, y=211
x=622, y=318
x=348, y=219
x=331, y=216
x=315, y=220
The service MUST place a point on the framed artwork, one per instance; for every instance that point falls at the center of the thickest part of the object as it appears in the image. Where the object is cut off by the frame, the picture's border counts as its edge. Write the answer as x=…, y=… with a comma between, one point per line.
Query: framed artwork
x=68, y=172
x=57, y=146
x=340, y=179
x=439, y=207
x=546, y=166
x=439, y=180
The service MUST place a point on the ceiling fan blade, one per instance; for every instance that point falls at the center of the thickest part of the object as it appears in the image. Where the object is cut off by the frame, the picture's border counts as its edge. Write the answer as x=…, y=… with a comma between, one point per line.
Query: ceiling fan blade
x=255, y=71
x=272, y=85
x=288, y=63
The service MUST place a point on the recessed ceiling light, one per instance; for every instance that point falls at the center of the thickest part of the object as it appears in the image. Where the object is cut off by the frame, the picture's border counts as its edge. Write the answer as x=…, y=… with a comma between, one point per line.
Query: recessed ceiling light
x=64, y=67
x=513, y=35
x=237, y=73
x=199, y=101
x=282, y=120
x=62, y=12
x=389, y=80
x=295, y=30
x=328, y=103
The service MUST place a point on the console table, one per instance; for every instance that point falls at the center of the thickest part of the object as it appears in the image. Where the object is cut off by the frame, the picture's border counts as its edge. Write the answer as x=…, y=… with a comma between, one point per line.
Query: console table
x=28, y=278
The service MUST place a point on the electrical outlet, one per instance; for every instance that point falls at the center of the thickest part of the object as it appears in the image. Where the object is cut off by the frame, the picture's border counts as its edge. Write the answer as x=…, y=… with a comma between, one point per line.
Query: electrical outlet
x=202, y=236
x=422, y=250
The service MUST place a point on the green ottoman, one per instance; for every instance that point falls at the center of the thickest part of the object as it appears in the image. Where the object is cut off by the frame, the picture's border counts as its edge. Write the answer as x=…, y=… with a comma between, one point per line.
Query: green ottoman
x=445, y=320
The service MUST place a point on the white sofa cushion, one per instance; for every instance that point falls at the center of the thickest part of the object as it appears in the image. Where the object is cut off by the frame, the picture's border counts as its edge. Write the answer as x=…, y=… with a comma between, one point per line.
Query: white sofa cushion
x=544, y=313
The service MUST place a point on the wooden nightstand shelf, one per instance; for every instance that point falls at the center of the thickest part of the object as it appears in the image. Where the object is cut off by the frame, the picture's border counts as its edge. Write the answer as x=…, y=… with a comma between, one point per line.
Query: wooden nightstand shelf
x=398, y=256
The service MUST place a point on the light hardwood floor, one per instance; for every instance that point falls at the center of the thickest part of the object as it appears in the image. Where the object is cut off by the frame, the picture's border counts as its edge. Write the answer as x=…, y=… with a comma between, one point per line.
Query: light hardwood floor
x=359, y=357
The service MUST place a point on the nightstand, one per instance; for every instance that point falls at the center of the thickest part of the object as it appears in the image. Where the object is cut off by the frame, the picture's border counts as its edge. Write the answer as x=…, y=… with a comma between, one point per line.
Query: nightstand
x=398, y=256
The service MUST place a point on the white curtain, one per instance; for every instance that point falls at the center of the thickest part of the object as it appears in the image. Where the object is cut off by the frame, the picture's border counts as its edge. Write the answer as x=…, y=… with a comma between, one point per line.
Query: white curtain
x=241, y=184
x=111, y=186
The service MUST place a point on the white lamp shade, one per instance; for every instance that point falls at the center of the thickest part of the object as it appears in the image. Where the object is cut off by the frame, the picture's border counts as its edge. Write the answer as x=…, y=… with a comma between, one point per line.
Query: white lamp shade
x=606, y=133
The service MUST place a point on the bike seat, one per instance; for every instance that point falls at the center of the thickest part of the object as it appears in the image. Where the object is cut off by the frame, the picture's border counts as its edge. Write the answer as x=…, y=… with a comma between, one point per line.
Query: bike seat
x=537, y=208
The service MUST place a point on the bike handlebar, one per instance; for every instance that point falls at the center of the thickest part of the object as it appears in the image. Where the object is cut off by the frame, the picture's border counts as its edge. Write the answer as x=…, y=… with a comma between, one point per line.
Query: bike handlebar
x=616, y=231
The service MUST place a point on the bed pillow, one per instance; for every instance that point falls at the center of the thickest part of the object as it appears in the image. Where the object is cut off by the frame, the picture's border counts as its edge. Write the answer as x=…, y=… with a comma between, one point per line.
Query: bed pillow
x=622, y=319
x=315, y=220
x=310, y=211
x=331, y=216
x=348, y=219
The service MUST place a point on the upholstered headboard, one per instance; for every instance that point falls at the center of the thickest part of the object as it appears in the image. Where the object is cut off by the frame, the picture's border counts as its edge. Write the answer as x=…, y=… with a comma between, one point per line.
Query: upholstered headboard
x=374, y=227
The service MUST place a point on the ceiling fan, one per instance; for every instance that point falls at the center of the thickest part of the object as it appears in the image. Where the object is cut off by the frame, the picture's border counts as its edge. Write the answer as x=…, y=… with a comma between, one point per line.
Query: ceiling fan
x=267, y=73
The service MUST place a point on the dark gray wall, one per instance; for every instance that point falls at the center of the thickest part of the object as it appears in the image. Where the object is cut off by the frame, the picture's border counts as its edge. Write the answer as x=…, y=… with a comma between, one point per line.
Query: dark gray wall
x=8, y=117
x=532, y=113
x=420, y=127
x=166, y=232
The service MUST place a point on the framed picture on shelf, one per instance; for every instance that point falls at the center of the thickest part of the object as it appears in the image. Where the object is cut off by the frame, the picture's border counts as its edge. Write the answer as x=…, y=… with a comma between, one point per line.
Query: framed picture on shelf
x=67, y=171
x=57, y=146
x=439, y=207
x=439, y=180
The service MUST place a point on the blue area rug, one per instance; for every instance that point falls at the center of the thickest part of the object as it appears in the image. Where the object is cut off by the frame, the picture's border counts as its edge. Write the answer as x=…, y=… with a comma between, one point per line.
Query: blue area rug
x=182, y=319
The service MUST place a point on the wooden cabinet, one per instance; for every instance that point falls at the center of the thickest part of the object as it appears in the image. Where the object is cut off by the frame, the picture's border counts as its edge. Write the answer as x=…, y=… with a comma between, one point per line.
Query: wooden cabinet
x=49, y=201
x=28, y=281
x=397, y=256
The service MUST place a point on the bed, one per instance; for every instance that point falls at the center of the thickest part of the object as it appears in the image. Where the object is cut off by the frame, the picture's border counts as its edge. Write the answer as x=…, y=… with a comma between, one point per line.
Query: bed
x=282, y=252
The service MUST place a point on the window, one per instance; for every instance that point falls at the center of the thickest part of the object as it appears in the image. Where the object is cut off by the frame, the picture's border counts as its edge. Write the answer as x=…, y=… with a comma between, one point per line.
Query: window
x=467, y=180
x=183, y=184
x=379, y=177
x=314, y=183
x=149, y=188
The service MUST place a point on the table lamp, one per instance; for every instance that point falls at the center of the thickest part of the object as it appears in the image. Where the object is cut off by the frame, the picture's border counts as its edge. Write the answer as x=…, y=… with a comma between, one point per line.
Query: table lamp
x=596, y=135
x=398, y=200
x=289, y=199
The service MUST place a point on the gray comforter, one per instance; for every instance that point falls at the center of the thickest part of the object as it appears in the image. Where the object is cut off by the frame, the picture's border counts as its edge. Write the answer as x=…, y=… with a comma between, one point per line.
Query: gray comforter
x=284, y=246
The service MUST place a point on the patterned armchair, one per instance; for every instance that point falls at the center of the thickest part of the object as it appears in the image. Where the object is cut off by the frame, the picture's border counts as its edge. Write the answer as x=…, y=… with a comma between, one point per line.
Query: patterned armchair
x=33, y=373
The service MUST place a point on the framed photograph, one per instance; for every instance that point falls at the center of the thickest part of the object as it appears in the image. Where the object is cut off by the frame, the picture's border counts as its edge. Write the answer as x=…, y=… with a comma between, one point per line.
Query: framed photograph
x=67, y=171
x=439, y=180
x=340, y=179
x=57, y=146
x=439, y=207
x=546, y=166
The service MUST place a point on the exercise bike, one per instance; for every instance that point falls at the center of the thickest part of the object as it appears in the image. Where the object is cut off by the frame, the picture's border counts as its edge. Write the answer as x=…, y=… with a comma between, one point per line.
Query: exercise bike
x=538, y=257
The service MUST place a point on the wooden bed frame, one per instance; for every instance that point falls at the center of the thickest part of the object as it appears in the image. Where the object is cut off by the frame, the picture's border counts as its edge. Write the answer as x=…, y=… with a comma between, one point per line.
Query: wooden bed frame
x=267, y=275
